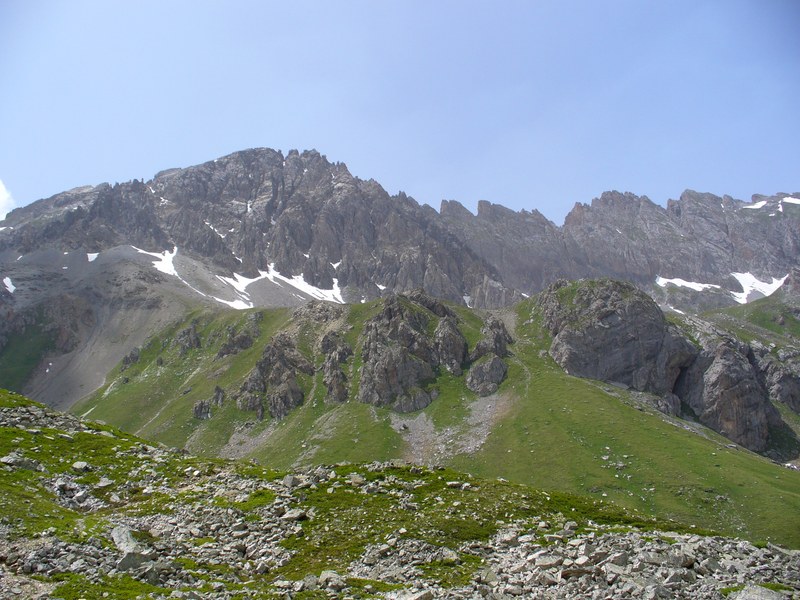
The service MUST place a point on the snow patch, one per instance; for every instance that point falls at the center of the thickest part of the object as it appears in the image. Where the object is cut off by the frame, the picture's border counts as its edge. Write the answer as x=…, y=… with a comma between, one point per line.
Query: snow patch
x=333, y=295
x=676, y=310
x=19, y=257
x=9, y=285
x=751, y=284
x=662, y=282
x=3, y=228
x=336, y=265
x=619, y=232
x=152, y=191
x=91, y=256
x=757, y=205
x=215, y=230
x=788, y=199
x=240, y=282
x=237, y=304
x=381, y=287
x=164, y=261
x=467, y=300
x=249, y=207
x=163, y=201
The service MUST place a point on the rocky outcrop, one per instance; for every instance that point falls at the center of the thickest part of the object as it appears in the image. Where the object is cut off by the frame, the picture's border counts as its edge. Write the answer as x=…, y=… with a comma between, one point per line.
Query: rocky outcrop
x=450, y=345
x=404, y=347
x=336, y=352
x=219, y=396
x=399, y=359
x=779, y=373
x=494, y=339
x=610, y=330
x=722, y=389
x=237, y=341
x=131, y=358
x=188, y=339
x=202, y=410
x=485, y=376
x=272, y=385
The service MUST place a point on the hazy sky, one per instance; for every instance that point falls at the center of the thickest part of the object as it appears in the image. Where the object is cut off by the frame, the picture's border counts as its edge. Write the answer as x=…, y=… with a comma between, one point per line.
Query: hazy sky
x=534, y=104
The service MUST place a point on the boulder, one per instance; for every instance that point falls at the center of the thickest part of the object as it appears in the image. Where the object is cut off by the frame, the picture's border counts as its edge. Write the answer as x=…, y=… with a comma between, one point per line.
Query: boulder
x=494, y=340
x=485, y=376
x=202, y=410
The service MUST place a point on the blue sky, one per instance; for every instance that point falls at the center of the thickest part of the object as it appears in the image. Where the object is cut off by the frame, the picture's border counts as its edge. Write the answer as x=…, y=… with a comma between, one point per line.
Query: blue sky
x=535, y=104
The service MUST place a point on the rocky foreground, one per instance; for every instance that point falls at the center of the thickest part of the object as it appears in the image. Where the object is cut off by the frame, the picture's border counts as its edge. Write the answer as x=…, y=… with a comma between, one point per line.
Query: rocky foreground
x=90, y=512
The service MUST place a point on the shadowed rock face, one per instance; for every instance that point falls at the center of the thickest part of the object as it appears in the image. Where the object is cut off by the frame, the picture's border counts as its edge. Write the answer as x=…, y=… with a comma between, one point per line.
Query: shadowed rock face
x=609, y=330
x=722, y=389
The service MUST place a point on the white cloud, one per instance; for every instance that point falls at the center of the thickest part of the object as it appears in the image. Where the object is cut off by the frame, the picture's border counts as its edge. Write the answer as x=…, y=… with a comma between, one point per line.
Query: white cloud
x=6, y=201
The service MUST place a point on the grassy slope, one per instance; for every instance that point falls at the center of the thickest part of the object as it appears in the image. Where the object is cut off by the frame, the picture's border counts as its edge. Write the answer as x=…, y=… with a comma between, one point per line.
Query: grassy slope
x=557, y=433
x=768, y=320
x=554, y=433
x=156, y=402
x=22, y=355
x=346, y=519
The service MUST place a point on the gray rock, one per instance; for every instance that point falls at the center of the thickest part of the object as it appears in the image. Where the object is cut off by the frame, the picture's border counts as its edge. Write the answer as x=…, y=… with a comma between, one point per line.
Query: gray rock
x=131, y=561
x=123, y=539
x=451, y=347
x=756, y=592
x=722, y=389
x=485, y=376
x=331, y=580
x=295, y=514
x=609, y=330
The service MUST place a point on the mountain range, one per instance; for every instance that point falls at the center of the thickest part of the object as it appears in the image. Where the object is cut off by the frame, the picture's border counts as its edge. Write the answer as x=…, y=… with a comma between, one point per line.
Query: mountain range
x=259, y=229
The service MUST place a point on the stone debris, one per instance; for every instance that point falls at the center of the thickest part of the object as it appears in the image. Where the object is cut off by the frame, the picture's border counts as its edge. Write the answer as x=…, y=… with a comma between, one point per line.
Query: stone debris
x=201, y=523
